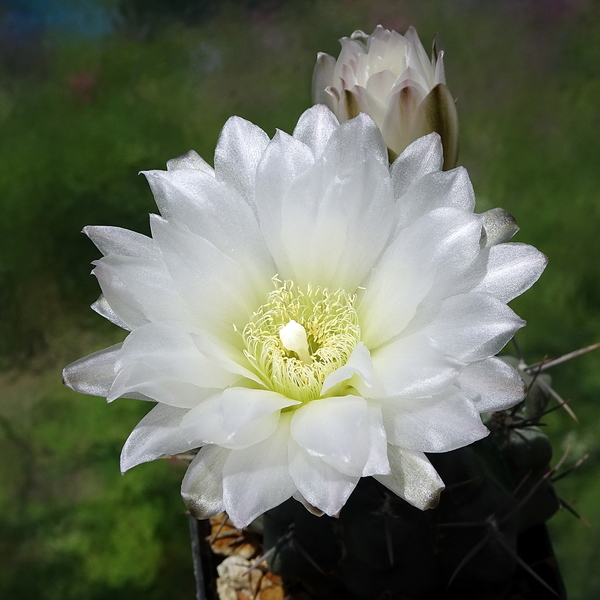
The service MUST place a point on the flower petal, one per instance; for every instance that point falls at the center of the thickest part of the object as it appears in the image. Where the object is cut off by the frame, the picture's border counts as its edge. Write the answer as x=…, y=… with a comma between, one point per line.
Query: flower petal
x=283, y=160
x=399, y=114
x=473, y=326
x=139, y=290
x=102, y=307
x=235, y=418
x=377, y=462
x=319, y=483
x=190, y=160
x=171, y=351
x=216, y=212
x=420, y=158
x=337, y=430
x=323, y=78
x=359, y=363
x=137, y=380
x=346, y=215
x=413, y=478
x=202, y=486
x=238, y=152
x=116, y=240
x=494, y=384
x=257, y=479
x=437, y=189
x=155, y=436
x=315, y=127
x=313, y=510
x=498, y=226
x=438, y=424
x=437, y=112
x=510, y=270
x=215, y=287
x=355, y=140
x=93, y=374
x=411, y=366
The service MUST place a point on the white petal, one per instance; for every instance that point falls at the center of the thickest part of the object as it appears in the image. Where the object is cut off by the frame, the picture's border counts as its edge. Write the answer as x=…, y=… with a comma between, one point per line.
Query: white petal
x=337, y=430
x=238, y=152
x=413, y=478
x=139, y=290
x=359, y=363
x=411, y=366
x=93, y=374
x=102, y=307
x=434, y=190
x=417, y=56
x=322, y=78
x=283, y=160
x=202, y=486
x=379, y=85
x=400, y=112
x=473, y=326
x=215, y=287
x=257, y=479
x=377, y=462
x=335, y=223
x=402, y=277
x=355, y=140
x=124, y=300
x=137, y=380
x=190, y=160
x=235, y=418
x=227, y=356
x=155, y=436
x=439, y=424
x=171, y=351
x=499, y=226
x=315, y=127
x=320, y=484
x=115, y=240
x=423, y=156
x=494, y=384
x=313, y=510
x=215, y=212
x=421, y=267
x=510, y=270
x=351, y=48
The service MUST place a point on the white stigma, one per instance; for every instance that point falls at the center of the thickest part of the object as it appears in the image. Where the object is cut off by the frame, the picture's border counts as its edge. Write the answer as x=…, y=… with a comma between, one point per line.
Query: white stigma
x=293, y=338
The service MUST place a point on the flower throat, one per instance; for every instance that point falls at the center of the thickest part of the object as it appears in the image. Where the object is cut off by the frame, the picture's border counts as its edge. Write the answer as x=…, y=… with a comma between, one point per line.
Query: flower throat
x=298, y=337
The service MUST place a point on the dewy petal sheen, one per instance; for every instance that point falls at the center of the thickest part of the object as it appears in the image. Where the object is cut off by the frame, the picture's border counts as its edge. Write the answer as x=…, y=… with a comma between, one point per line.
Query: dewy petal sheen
x=307, y=315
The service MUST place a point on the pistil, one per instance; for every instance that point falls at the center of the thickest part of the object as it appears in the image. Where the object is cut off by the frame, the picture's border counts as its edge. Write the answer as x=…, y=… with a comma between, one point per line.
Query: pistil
x=293, y=338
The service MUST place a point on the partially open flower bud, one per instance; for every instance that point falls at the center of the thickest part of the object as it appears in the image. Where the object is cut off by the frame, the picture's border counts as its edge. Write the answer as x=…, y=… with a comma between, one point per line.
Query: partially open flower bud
x=391, y=78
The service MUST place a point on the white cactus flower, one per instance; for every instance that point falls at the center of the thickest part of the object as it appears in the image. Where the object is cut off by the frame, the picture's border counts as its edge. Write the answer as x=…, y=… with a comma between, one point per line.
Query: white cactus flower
x=389, y=77
x=307, y=315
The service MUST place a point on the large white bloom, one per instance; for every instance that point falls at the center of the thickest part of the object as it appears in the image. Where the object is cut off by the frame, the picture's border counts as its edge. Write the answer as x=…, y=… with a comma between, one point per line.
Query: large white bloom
x=389, y=77
x=308, y=316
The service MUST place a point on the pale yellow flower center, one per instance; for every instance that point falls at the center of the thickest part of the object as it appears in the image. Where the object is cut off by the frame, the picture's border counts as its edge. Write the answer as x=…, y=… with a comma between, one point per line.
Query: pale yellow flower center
x=298, y=337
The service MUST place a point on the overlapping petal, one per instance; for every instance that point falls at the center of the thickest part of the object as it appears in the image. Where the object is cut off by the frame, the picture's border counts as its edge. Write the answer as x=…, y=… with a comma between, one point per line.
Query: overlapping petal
x=157, y=435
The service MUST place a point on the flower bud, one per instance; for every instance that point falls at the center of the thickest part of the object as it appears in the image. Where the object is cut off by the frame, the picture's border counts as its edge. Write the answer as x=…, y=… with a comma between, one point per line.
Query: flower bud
x=389, y=77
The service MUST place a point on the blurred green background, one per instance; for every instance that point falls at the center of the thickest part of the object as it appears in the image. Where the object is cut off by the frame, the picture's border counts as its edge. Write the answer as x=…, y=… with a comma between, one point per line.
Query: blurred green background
x=93, y=92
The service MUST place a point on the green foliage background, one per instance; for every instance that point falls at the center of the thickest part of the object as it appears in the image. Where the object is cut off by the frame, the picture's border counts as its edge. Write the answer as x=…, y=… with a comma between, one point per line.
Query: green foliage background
x=526, y=77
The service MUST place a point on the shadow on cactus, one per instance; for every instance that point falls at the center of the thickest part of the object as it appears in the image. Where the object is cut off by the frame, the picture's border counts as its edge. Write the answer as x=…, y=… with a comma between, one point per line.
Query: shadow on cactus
x=487, y=538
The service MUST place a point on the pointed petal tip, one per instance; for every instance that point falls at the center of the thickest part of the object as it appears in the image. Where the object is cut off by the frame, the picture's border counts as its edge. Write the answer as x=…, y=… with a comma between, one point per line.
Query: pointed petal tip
x=434, y=500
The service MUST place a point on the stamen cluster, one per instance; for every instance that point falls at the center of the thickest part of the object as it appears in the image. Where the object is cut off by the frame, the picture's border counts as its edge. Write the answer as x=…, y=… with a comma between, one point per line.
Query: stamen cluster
x=332, y=332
